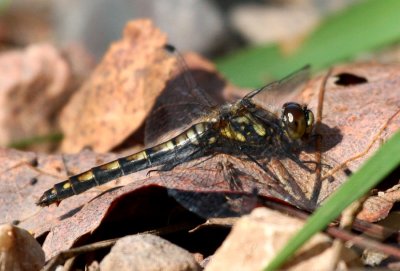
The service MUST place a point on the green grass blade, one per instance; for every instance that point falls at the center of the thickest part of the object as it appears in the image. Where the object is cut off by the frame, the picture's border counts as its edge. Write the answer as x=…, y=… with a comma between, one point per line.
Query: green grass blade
x=360, y=28
x=4, y=5
x=386, y=159
x=35, y=140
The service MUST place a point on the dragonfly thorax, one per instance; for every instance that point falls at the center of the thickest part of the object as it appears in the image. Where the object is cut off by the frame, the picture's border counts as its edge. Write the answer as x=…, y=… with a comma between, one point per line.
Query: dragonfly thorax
x=237, y=123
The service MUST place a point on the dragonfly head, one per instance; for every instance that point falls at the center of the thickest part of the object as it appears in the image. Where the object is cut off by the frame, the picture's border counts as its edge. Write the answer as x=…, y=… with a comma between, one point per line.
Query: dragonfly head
x=297, y=120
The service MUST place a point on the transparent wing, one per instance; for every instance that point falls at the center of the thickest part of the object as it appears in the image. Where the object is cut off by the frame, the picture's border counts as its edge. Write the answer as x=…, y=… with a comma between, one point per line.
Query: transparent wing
x=289, y=177
x=182, y=102
x=284, y=90
x=217, y=186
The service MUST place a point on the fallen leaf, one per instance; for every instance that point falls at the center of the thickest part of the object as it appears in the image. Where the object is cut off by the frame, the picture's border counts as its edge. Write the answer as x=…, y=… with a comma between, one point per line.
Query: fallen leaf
x=365, y=114
x=34, y=84
x=255, y=240
x=116, y=98
x=25, y=175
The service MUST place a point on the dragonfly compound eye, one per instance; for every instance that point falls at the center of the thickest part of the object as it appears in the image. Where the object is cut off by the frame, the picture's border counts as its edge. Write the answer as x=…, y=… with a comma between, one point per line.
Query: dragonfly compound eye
x=296, y=120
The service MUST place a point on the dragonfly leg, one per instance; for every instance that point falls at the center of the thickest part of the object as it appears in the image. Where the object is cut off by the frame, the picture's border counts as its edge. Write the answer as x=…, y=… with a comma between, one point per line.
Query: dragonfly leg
x=231, y=174
x=164, y=168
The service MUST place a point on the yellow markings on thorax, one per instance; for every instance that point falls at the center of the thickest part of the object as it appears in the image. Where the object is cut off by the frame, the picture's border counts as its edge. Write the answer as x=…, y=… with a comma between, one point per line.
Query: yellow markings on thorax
x=243, y=119
x=137, y=156
x=86, y=176
x=260, y=130
x=228, y=132
x=110, y=166
x=257, y=126
x=240, y=137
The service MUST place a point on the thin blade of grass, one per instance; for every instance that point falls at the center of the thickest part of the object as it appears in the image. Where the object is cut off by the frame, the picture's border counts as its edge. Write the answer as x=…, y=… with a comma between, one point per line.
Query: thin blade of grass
x=36, y=140
x=4, y=5
x=386, y=159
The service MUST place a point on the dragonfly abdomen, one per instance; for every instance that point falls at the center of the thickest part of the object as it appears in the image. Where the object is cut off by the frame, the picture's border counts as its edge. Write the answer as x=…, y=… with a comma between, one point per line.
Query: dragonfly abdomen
x=188, y=141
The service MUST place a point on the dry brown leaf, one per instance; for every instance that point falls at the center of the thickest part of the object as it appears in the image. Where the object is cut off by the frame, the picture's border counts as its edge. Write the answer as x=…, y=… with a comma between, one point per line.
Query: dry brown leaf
x=34, y=84
x=366, y=115
x=115, y=100
x=257, y=238
x=25, y=175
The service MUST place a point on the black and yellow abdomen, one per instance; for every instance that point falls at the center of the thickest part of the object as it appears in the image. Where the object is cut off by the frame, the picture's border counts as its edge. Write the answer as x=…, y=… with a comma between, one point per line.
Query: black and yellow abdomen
x=163, y=153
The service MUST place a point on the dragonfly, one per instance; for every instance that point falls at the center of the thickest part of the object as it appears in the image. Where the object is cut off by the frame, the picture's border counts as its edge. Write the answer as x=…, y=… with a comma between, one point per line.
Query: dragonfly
x=204, y=126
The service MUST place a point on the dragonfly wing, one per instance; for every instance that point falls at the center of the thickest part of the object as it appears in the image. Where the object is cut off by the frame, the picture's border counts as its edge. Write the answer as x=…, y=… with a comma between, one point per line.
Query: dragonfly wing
x=301, y=178
x=279, y=92
x=182, y=102
x=202, y=186
x=222, y=185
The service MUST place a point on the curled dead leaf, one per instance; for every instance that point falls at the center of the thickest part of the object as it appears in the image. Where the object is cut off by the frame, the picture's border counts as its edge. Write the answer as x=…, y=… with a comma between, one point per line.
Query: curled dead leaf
x=116, y=98
x=34, y=84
